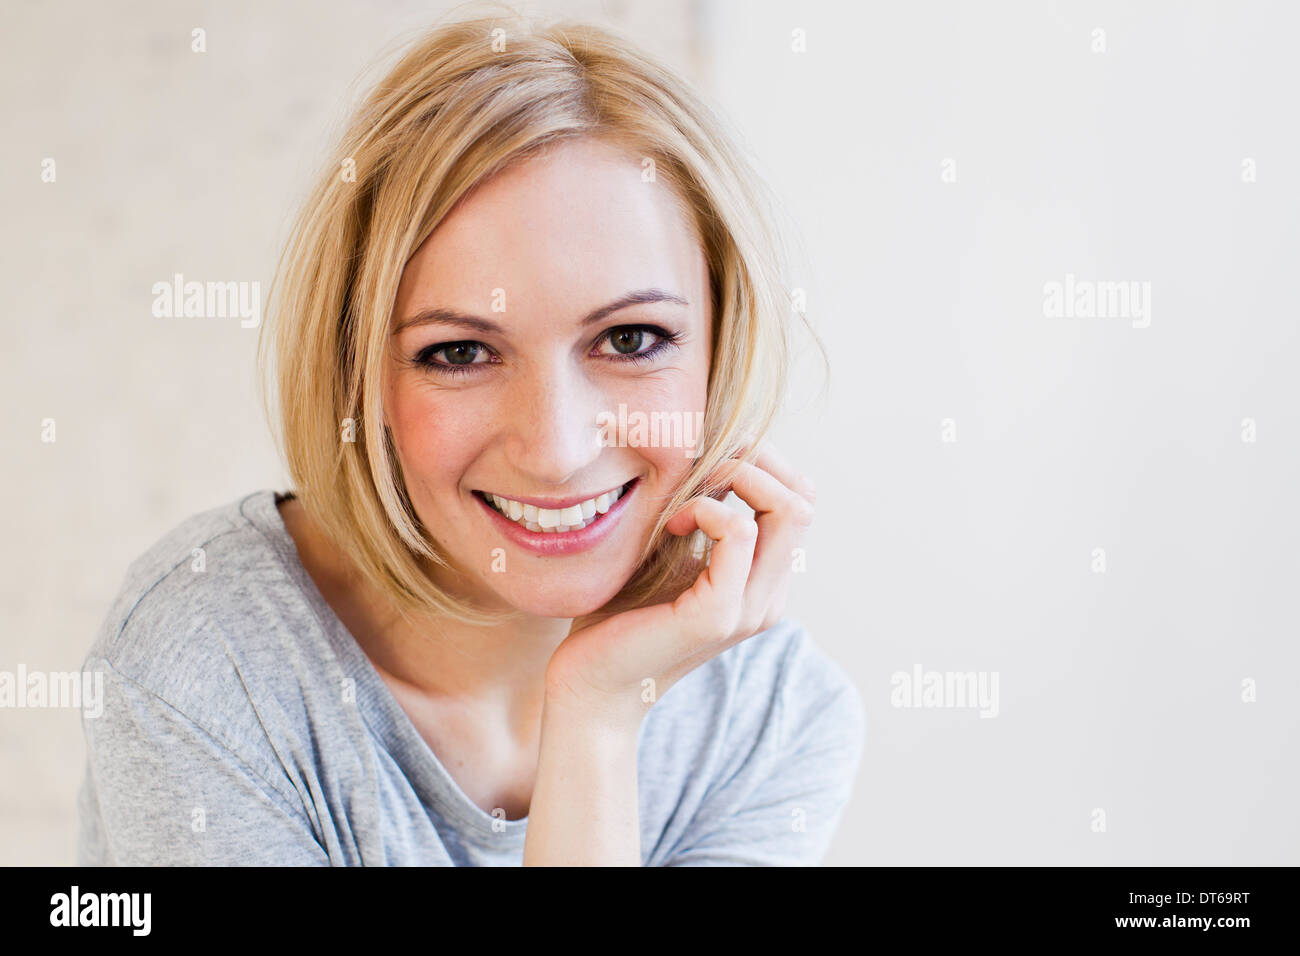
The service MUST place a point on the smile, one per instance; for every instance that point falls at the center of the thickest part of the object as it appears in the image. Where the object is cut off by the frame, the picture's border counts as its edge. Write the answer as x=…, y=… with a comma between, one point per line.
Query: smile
x=566, y=527
x=574, y=517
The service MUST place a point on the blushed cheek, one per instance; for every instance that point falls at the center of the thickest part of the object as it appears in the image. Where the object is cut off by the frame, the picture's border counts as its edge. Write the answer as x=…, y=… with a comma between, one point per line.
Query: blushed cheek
x=435, y=442
x=671, y=462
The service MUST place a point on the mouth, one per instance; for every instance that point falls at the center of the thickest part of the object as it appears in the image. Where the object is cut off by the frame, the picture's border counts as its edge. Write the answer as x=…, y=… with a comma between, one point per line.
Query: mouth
x=549, y=521
x=559, y=532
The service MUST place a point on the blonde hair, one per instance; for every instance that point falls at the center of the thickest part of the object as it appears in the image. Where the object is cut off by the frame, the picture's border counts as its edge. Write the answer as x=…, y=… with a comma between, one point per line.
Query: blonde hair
x=463, y=102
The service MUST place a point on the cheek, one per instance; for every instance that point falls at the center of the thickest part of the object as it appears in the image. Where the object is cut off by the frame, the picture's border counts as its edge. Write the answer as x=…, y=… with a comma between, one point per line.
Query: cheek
x=683, y=394
x=434, y=434
x=670, y=465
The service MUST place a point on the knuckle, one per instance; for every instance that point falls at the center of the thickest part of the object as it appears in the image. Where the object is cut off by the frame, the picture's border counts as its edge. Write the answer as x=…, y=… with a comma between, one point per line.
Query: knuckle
x=802, y=511
x=744, y=527
x=806, y=488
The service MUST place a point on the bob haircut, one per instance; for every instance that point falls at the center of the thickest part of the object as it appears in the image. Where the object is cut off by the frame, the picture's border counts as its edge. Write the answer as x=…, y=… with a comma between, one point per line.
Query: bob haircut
x=463, y=102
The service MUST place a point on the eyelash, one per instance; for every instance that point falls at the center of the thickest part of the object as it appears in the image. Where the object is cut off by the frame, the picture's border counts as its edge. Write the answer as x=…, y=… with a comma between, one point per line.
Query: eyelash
x=667, y=340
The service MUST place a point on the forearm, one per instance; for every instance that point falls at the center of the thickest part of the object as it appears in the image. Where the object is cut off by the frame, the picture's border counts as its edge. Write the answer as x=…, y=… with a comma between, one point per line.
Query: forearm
x=584, y=807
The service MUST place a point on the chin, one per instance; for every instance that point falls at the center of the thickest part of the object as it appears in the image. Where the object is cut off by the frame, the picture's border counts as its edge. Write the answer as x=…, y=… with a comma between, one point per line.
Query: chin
x=571, y=604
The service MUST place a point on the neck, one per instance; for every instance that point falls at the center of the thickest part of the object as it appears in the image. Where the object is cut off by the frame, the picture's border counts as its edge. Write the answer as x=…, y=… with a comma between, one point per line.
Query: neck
x=496, y=666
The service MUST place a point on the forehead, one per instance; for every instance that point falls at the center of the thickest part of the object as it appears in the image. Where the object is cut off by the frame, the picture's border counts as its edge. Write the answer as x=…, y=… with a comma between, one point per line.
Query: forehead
x=575, y=225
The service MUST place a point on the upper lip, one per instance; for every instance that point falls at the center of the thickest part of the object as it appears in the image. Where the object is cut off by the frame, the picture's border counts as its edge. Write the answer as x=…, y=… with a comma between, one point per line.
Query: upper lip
x=556, y=504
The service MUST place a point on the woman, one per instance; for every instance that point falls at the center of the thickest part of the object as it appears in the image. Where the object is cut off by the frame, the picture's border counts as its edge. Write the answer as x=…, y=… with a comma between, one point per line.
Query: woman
x=528, y=328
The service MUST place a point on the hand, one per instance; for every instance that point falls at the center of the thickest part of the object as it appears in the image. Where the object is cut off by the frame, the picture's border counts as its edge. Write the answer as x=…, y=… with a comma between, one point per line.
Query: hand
x=741, y=592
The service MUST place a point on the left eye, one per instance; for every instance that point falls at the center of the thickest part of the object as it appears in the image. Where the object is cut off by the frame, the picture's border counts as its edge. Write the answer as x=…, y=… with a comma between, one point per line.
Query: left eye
x=456, y=353
x=629, y=340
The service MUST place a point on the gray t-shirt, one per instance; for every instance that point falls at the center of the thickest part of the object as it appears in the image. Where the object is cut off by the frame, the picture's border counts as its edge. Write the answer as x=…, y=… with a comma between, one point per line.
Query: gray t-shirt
x=241, y=723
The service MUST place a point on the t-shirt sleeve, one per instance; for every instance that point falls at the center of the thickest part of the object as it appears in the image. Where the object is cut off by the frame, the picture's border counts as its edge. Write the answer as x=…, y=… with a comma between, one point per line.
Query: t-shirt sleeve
x=162, y=791
x=780, y=802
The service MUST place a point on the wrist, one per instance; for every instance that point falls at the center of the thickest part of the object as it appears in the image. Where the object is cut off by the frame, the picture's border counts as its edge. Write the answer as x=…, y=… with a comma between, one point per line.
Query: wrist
x=610, y=715
x=584, y=809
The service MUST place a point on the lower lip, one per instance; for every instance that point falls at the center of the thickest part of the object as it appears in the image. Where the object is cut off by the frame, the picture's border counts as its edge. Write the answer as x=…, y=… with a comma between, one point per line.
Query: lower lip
x=554, y=543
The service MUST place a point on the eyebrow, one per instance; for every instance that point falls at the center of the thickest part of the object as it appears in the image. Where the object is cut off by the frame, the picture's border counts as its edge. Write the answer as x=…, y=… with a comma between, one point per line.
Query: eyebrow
x=486, y=326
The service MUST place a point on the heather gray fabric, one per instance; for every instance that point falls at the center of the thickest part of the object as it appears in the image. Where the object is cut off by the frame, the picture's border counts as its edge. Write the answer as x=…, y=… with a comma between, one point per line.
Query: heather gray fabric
x=242, y=724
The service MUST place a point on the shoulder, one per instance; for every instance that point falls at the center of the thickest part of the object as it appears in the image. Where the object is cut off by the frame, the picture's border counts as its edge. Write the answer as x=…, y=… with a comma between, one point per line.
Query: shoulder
x=778, y=688
x=752, y=757
x=187, y=606
x=782, y=675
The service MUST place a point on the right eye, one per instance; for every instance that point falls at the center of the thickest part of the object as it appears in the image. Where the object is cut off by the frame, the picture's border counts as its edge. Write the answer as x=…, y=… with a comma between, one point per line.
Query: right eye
x=457, y=356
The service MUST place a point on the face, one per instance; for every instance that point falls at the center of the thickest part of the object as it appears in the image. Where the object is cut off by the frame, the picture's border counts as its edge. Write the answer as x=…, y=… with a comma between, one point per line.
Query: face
x=550, y=346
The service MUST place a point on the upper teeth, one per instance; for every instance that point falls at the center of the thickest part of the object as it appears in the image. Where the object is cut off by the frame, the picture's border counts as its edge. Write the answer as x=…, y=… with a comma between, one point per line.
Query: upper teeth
x=557, y=519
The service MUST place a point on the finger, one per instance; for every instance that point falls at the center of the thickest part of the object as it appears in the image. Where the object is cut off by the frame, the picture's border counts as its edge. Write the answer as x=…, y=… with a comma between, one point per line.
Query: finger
x=770, y=460
x=718, y=593
x=782, y=517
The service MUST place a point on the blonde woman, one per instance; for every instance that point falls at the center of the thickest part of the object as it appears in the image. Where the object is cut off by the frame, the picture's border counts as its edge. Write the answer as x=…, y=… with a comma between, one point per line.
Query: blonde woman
x=526, y=336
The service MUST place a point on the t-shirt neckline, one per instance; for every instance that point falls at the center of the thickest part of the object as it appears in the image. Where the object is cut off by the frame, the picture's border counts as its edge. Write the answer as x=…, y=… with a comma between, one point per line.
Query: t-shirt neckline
x=378, y=706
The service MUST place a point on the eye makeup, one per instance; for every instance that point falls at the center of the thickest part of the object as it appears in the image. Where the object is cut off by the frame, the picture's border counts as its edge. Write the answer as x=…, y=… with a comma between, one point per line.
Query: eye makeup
x=470, y=350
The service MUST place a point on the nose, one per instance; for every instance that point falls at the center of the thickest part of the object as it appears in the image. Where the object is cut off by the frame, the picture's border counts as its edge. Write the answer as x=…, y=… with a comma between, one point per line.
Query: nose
x=553, y=430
